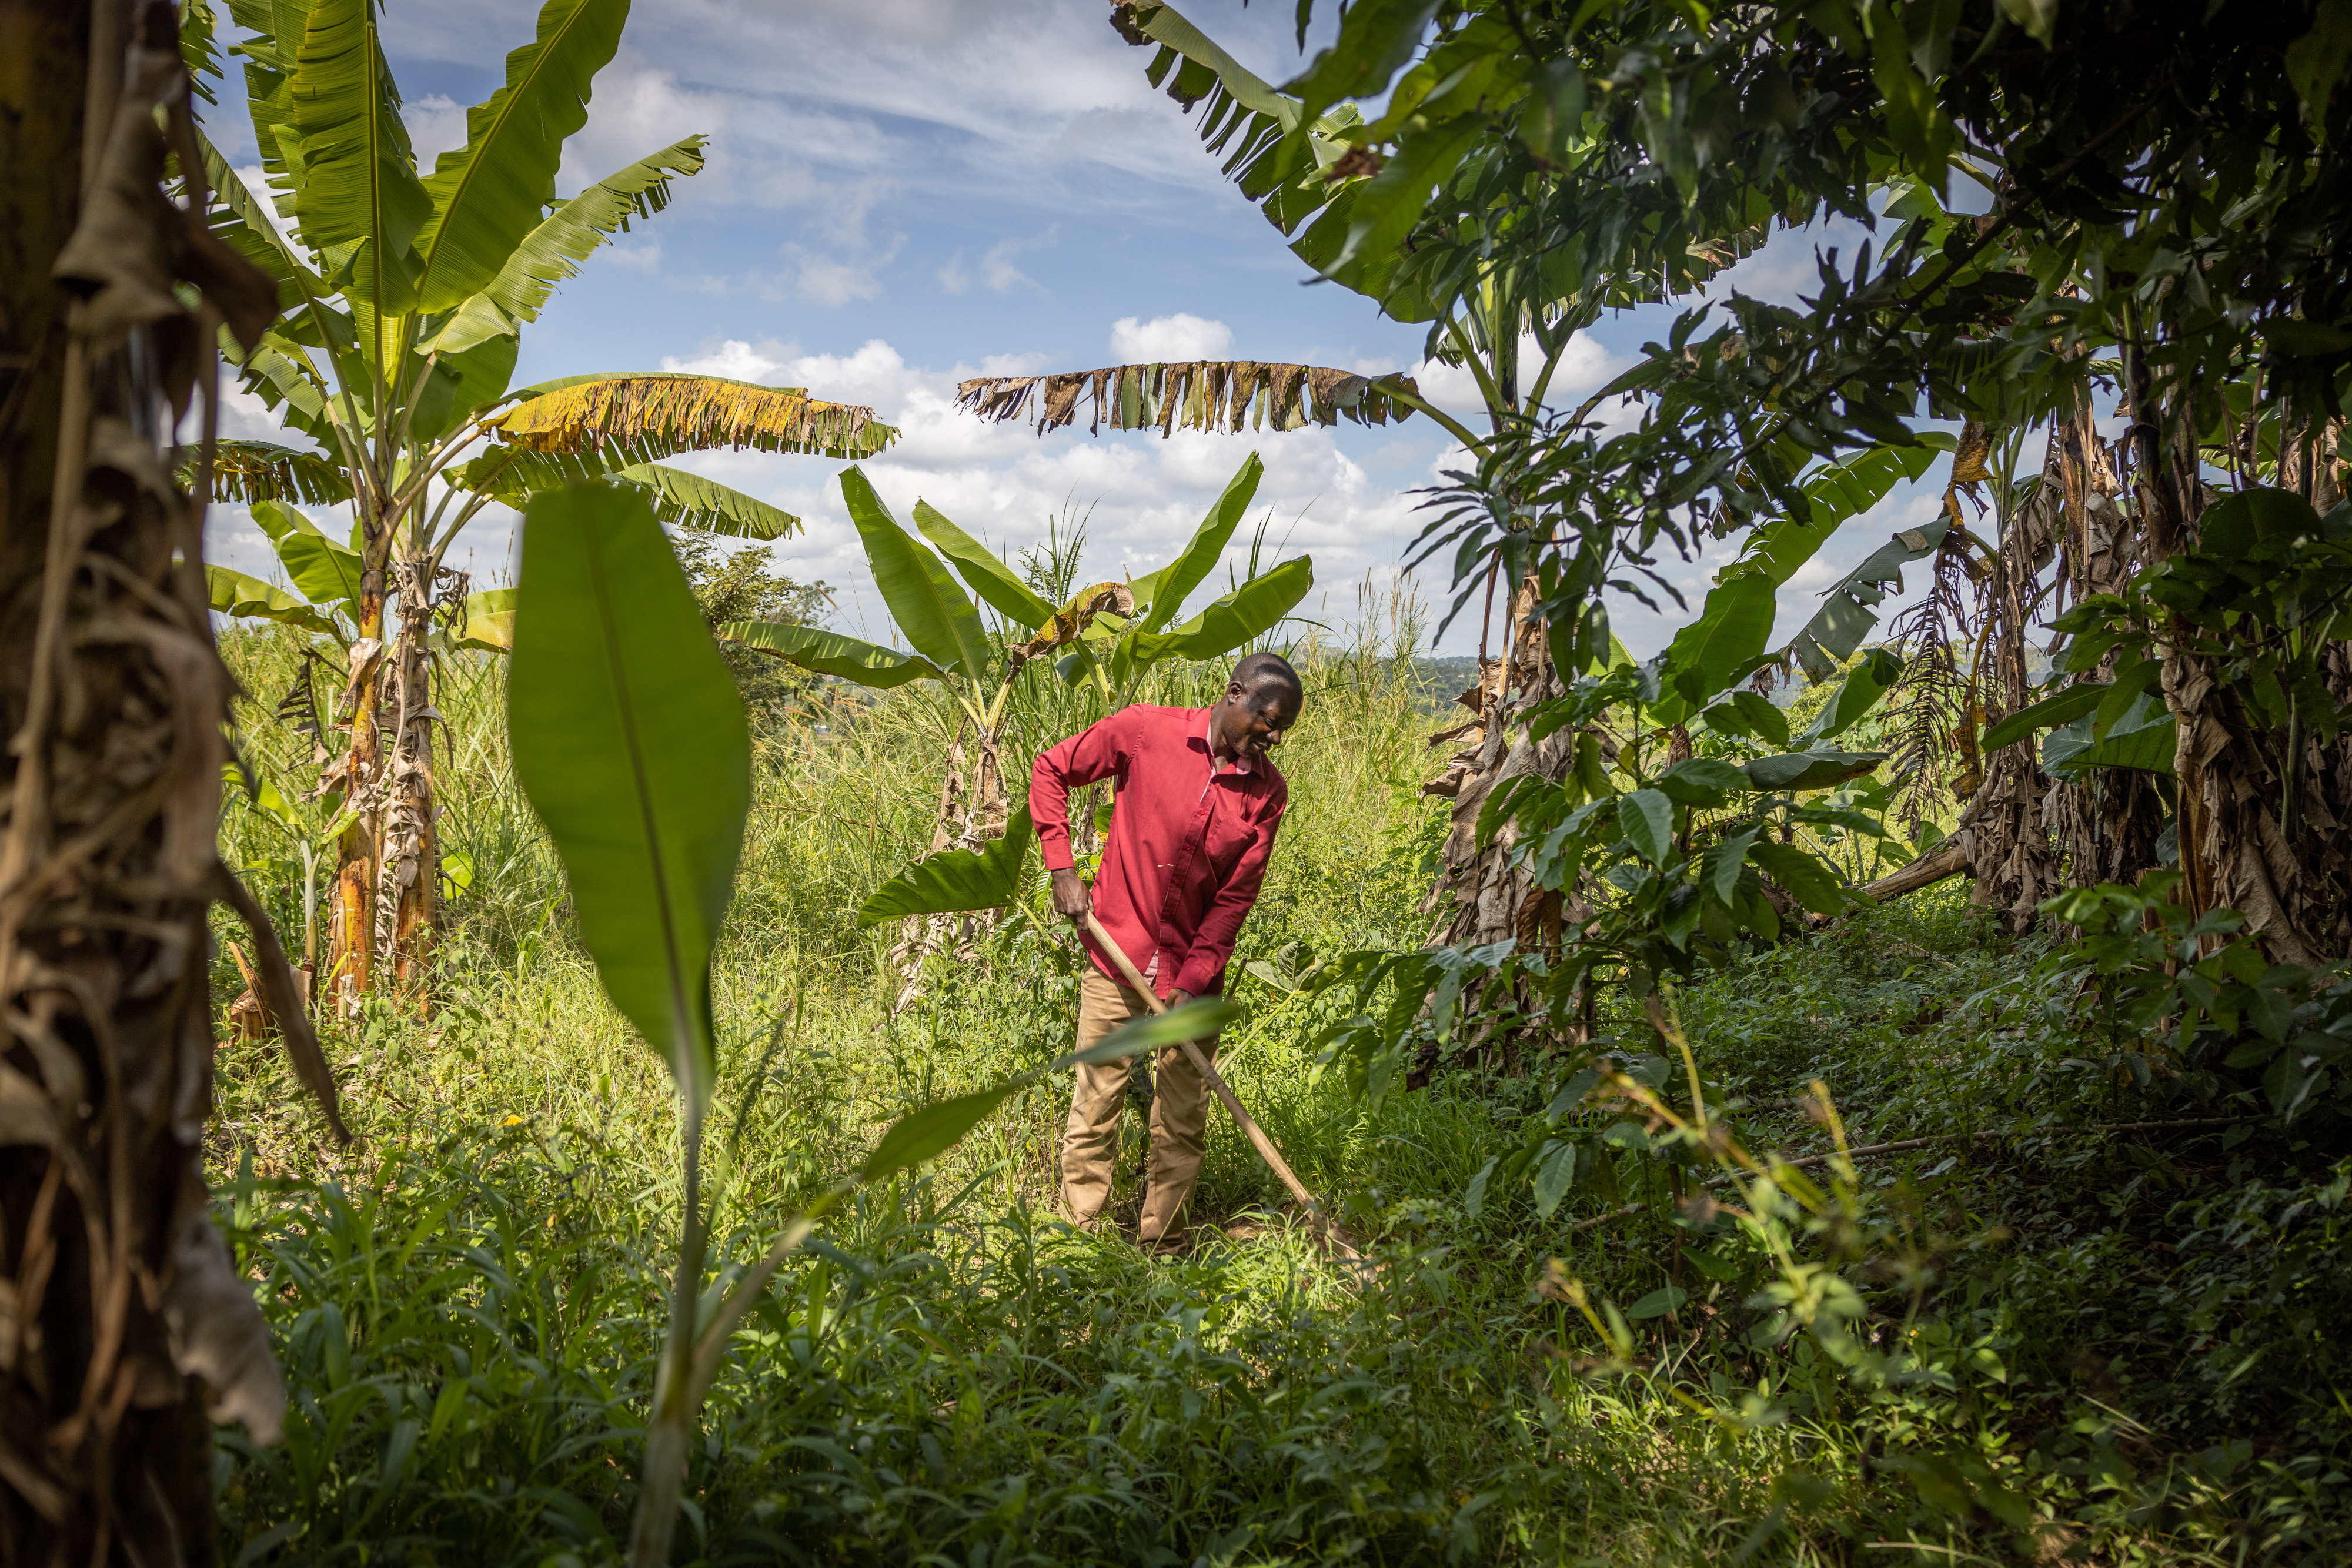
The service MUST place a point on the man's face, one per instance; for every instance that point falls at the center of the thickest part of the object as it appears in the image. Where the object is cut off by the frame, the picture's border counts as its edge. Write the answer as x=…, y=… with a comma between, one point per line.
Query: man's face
x=1254, y=719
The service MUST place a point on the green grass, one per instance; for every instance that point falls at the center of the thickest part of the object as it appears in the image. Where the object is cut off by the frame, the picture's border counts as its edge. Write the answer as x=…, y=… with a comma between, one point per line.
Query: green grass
x=469, y=1301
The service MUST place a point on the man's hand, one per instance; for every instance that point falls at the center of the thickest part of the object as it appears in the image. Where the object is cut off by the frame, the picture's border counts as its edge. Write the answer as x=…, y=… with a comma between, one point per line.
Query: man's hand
x=1177, y=998
x=1071, y=900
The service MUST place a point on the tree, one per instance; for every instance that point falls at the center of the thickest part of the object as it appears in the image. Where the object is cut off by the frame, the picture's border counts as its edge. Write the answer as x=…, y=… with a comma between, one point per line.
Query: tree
x=1106, y=637
x=126, y=1325
x=1307, y=159
x=741, y=585
x=405, y=294
x=2090, y=129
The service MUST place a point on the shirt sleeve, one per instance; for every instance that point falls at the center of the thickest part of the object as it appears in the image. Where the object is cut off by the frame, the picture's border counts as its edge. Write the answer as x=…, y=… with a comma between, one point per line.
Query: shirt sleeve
x=1221, y=928
x=1094, y=753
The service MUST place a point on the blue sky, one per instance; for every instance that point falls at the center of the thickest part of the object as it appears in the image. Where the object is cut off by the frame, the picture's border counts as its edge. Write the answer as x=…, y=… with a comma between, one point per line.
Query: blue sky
x=901, y=194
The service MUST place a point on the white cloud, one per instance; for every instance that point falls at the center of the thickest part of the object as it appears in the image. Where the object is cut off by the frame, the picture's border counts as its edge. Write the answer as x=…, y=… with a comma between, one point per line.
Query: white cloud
x=952, y=278
x=646, y=257
x=1584, y=367
x=829, y=281
x=435, y=124
x=997, y=265
x=1168, y=338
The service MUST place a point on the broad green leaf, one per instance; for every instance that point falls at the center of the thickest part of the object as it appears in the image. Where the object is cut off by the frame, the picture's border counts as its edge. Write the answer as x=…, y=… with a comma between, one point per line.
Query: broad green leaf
x=2071, y=703
x=250, y=598
x=1249, y=611
x=327, y=572
x=1553, y=1178
x=1801, y=875
x=2145, y=737
x=1380, y=37
x=2316, y=63
x=983, y=569
x=1386, y=207
x=1855, y=696
x=1836, y=493
x=1241, y=116
x=1819, y=769
x=240, y=221
x=930, y=610
x=278, y=519
x=932, y=1130
x=2245, y=521
x=515, y=474
x=554, y=250
x=630, y=740
x=688, y=500
x=1719, y=867
x=1702, y=781
x=357, y=198
x=1474, y=1200
x=1850, y=610
x=1746, y=713
x=956, y=879
x=1162, y=592
x=830, y=653
x=1648, y=818
x=272, y=372
x=490, y=621
x=491, y=192
x=464, y=382
x=1196, y=1020
x=1657, y=1304
x=1712, y=651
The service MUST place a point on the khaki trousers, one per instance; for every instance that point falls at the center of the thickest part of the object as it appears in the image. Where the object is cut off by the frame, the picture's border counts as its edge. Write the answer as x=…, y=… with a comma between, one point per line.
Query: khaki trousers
x=1180, y=1118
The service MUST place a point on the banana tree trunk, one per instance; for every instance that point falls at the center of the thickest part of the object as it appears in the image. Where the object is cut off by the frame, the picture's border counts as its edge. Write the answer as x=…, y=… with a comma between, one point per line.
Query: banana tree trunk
x=120, y=1305
x=2014, y=858
x=350, y=945
x=2107, y=822
x=1479, y=896
x=973, y=808
x=408, y=877
x=2265, y=815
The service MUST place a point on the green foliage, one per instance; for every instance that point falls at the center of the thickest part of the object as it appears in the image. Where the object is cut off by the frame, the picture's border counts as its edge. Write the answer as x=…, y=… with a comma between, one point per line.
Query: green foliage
x=954, y=879
x=631, y=742
x=1096, y=1405
x=743, y=585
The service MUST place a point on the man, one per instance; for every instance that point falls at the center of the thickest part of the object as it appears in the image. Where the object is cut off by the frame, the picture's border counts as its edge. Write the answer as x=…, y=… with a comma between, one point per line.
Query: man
x=1198, y=803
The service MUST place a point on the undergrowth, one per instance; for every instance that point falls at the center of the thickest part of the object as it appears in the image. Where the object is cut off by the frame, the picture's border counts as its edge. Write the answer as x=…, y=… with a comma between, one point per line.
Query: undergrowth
x=2116, y=1346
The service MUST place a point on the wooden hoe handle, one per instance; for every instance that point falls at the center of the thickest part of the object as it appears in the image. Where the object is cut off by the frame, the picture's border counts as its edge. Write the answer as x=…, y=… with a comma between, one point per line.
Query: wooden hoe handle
x=1256, y=1134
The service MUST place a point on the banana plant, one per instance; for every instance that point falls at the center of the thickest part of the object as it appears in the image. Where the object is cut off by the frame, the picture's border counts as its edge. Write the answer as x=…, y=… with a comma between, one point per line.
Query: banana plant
x=1106, y=636
x=403, y=297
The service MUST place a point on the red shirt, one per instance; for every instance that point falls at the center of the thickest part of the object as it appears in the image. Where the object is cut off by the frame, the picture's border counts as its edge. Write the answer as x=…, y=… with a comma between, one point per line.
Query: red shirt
x=1189, y=839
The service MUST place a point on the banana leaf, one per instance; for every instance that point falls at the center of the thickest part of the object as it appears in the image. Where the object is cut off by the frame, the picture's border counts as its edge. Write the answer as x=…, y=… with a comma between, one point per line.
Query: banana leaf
x=956, y=879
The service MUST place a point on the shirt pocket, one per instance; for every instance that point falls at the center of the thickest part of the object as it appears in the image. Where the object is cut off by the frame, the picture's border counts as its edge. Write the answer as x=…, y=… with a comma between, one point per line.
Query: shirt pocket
x=1233, y=829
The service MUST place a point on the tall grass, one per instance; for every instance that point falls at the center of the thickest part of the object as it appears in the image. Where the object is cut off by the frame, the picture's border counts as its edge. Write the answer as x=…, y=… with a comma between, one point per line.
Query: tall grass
x=469, y=1302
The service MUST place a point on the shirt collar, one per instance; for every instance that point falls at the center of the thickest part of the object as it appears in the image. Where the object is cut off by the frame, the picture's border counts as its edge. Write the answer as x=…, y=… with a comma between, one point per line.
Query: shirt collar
x=1241, y=765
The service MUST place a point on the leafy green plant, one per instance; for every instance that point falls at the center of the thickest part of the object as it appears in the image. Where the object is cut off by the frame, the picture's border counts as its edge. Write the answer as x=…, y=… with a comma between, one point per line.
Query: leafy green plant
x=1106, y=636
x=2188, y=1009
x=404, y=295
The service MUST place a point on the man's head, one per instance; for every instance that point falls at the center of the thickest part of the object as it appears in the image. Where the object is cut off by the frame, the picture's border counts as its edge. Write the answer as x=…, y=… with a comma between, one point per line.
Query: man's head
x=1262, y=700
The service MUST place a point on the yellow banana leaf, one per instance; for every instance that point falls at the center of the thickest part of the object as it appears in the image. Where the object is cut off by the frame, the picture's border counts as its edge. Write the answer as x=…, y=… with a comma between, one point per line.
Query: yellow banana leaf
x=644, y=418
